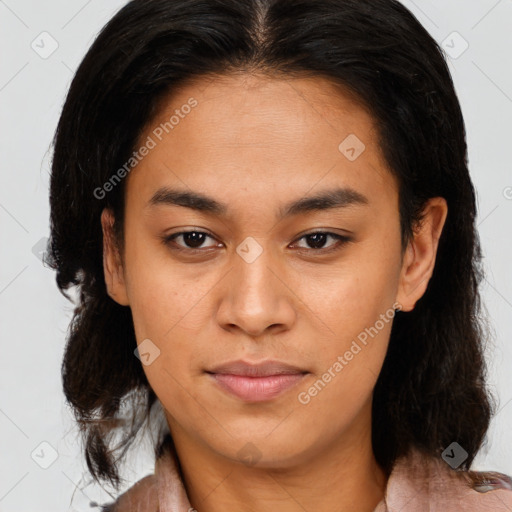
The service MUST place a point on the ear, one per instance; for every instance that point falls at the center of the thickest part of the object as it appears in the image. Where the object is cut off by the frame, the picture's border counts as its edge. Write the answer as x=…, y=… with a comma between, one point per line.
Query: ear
x=420, y=254
x=112, y=265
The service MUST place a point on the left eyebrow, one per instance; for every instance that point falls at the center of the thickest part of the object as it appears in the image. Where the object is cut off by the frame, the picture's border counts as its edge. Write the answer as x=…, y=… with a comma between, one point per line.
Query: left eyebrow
x=323, y=200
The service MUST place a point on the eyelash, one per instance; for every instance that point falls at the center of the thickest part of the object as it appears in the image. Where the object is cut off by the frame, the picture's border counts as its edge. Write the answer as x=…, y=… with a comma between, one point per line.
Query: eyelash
x=342, y=240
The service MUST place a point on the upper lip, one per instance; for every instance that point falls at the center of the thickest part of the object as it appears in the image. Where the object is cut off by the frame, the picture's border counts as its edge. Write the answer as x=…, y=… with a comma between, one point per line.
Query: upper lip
x=263, y=369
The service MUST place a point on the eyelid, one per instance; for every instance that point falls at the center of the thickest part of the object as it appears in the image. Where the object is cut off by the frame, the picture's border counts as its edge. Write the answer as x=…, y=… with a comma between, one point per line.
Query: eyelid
x=342, y=240
x=169, y=239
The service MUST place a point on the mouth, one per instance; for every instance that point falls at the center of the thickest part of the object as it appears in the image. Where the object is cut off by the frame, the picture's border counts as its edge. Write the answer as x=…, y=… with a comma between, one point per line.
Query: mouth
x=256, y=382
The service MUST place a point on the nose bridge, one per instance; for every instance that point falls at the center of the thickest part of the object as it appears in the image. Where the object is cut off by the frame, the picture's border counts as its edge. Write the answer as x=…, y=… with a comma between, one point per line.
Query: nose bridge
x=256, y=299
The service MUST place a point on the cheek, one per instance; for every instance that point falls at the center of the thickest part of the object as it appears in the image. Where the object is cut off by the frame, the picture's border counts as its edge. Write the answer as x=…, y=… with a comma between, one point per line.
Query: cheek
x=354, y=309
x=352, y=296
x=359, y=313
x=164, y=295
x=168, y=308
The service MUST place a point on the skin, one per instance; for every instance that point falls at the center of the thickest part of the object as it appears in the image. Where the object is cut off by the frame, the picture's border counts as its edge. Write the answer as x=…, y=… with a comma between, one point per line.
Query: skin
x=256, y=144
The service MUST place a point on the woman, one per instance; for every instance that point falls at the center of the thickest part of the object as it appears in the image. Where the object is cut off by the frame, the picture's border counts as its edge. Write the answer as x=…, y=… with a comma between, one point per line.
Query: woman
x=267, y=209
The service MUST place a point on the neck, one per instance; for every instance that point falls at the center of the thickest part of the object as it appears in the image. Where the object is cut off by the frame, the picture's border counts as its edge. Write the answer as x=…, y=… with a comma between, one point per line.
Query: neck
x=342, y=478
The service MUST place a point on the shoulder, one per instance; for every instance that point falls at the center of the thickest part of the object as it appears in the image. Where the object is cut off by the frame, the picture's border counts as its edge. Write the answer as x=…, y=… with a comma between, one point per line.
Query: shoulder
x=163, y=489
x=140, y=497
x=429, y=483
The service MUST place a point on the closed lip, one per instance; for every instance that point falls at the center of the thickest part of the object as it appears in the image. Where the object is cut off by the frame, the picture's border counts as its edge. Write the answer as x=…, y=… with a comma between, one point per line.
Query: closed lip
x=263, y=369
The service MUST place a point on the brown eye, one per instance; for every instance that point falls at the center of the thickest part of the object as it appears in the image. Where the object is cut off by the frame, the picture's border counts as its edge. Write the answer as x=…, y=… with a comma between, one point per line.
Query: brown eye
x=318, y=241
x=192, y=240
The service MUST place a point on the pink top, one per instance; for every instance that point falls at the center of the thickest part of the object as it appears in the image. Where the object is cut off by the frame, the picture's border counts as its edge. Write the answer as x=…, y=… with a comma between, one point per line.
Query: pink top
x=416, y=484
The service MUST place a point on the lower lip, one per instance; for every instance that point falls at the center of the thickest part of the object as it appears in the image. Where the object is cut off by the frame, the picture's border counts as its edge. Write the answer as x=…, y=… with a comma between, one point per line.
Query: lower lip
x=257, y=389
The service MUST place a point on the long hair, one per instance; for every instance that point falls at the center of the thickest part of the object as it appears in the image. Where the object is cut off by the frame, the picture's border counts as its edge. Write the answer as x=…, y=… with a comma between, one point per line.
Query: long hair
x=431, y=390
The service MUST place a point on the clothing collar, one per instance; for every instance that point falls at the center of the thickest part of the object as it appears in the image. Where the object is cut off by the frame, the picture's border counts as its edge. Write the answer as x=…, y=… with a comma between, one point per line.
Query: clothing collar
x=417, y=483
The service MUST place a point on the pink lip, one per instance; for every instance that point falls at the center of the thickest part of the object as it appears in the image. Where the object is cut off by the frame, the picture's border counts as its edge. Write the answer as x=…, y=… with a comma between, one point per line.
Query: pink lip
x=256, y=382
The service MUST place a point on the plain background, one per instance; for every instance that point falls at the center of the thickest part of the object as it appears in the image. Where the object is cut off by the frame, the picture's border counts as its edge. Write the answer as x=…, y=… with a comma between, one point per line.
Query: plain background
x=34, y=316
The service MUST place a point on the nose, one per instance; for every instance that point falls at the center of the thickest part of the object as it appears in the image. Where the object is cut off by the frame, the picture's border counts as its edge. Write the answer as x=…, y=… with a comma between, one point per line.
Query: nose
x=255, y=297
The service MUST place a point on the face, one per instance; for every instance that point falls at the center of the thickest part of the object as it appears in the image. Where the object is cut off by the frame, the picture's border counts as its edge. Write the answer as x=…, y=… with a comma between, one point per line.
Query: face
x=262, y=226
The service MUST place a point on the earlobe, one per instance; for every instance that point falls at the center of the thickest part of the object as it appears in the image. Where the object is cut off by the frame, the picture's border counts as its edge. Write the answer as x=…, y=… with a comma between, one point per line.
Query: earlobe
x=420, y=255
x=112, y=266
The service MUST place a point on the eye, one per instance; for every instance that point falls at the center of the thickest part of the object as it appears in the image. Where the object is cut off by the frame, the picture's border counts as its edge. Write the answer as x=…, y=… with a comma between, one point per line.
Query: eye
x=192, y=240
x=318, y=241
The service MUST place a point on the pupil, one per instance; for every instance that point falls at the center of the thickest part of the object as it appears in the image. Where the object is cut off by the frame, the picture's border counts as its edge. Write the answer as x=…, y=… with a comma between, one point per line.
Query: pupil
x=318, y=239
x=194, y=239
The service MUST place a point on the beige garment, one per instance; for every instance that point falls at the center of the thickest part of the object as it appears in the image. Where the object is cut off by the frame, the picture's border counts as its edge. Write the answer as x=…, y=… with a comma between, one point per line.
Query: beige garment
x=416, y=484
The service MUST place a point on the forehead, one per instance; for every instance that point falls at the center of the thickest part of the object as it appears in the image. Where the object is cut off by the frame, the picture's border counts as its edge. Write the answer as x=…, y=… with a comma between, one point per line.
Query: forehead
x=252, y=133
x=257, y=108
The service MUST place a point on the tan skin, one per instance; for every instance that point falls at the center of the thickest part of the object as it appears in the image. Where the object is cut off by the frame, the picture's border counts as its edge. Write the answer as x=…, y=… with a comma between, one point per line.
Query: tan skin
x=257, y=144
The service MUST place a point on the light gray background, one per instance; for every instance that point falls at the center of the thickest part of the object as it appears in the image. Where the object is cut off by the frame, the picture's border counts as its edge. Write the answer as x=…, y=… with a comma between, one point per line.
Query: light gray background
x=34, y=316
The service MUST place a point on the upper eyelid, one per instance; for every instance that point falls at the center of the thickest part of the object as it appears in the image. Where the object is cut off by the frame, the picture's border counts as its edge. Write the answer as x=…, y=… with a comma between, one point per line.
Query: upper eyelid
x=337, y=236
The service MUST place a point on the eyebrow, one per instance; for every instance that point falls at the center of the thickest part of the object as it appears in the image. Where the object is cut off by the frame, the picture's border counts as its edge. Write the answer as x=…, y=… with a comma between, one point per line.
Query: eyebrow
x=323, y=200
